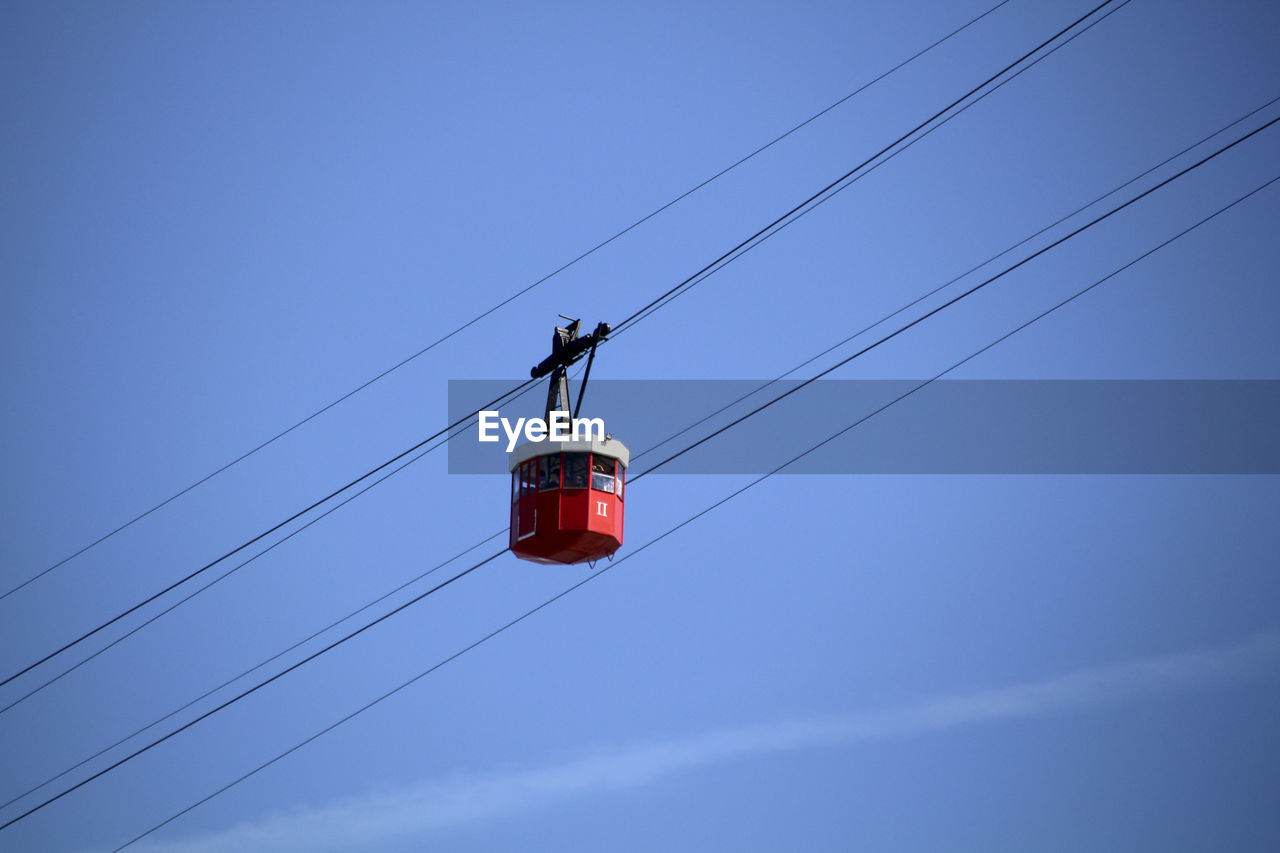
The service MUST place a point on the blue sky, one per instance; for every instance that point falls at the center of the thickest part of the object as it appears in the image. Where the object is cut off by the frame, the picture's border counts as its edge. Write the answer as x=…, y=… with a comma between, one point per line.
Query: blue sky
x=220, y=217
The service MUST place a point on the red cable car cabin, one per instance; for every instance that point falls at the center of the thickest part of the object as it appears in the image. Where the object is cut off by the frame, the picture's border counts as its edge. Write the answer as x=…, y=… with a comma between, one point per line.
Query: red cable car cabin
x=567, y=500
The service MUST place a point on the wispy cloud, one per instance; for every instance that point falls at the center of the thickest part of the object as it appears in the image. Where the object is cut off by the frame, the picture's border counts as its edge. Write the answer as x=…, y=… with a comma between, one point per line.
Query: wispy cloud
x=370, y=822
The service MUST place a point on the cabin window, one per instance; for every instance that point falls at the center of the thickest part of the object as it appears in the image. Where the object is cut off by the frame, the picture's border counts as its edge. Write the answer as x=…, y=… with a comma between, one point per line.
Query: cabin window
x=577, y=470
x=527, y=506
x=549, y=472
x=602, y=474
x=524, y=480
x=621, y=477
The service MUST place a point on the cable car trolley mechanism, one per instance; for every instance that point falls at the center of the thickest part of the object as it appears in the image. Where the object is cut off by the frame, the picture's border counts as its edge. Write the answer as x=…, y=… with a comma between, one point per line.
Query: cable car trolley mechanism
x=567, y=495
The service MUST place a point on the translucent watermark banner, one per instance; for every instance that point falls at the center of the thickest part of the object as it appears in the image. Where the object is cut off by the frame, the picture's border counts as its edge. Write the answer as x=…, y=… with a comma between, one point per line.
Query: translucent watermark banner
x=945, y=427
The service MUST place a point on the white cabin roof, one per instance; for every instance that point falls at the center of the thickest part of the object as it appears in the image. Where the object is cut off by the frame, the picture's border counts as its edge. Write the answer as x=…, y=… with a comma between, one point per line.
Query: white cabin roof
x=608, y=447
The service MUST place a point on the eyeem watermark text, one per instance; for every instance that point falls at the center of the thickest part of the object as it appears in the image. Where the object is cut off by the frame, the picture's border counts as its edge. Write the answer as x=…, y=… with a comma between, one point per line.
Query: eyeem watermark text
x=560, y=428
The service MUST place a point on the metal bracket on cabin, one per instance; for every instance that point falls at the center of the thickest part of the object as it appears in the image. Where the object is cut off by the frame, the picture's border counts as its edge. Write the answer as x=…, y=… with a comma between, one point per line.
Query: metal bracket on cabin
x=566, y=349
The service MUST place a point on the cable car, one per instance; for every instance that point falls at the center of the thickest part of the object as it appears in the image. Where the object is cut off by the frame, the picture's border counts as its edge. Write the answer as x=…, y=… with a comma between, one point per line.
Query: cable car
x=567, y=497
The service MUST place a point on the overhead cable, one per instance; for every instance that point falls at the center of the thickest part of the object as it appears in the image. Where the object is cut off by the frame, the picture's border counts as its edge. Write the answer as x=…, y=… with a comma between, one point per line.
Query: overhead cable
x=880, y=161
x=388, y=694
x=631, y=320
x=1081, y=209
x=114, y=619
x=653, y=447
x=136, y=628
x=959, y=297
x=504, y=302
x=838, y=181
x=403, y=606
